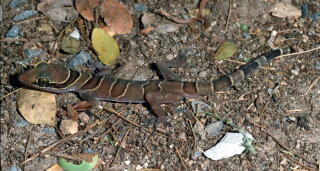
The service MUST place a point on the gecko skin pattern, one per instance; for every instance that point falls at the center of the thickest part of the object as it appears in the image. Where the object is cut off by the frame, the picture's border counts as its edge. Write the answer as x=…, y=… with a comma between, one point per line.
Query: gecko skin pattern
x=57, y=78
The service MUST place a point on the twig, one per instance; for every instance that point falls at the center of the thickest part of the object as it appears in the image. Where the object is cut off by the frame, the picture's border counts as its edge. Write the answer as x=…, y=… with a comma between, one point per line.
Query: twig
x=5, y=96
x=184, y=164
x=50, y=147
x=230, y=9
x=287, y=148
x=265, y=106
x=299, y=163
x=139, y=126
x=25, y=40
x=194, y=136
x=32, y=19
x=315, y=81
x=298, y=53
x=122, y=141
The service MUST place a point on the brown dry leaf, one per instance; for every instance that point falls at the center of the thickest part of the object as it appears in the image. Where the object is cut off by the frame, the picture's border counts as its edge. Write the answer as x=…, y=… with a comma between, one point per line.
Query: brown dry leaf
x=37, y=107
x=86, y=8
x=55, y=167
x=72, y=114
x=117, y=16
x=82, y=106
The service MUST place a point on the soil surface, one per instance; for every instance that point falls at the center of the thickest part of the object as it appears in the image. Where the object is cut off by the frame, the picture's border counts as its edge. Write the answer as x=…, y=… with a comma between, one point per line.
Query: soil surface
x=289, y=118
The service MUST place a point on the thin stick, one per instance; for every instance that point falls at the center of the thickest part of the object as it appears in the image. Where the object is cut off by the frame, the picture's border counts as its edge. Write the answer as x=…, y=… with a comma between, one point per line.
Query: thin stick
x=182, y=160
x=230, y=9
x=315, y=81
x=37, y=18
x=50, y=147
x=5, y=96
x=298, y=53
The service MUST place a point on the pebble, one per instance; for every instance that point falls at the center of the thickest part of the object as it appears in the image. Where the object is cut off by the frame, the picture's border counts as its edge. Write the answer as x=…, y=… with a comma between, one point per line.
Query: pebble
x=68, y=127
x=75, y=34
x=166, y=28
x=318, y=65
x=31, y=53
x=305, y=10
x=214, y=129
x=24, y=15
x=15, y=3
x=49, y=130
x=246, y=35
x=202, y=74
x=81, y=58
x=295, y=72
x=84, y=117
x=315, y=16
x=14, y=31
x=169, y=56
x=140, y=8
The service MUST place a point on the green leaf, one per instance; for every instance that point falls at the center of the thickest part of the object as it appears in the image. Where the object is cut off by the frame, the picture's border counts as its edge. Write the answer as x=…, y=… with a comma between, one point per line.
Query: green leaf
x=84, y=166
x=226, y=50
x=105, y=46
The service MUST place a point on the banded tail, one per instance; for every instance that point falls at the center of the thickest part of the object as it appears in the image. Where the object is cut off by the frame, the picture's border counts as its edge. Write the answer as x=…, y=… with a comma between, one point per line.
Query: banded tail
x=239, y=75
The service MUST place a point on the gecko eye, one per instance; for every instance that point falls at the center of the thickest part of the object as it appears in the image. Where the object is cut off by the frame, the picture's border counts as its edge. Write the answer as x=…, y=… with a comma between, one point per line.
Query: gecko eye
x=43, y=82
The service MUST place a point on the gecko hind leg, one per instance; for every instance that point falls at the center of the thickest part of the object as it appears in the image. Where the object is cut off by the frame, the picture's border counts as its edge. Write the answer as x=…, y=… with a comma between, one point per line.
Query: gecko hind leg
x=164, y=66
x=161, y=97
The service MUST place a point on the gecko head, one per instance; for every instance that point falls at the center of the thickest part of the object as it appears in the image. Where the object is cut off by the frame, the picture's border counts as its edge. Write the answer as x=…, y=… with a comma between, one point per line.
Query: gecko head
x=45, y=76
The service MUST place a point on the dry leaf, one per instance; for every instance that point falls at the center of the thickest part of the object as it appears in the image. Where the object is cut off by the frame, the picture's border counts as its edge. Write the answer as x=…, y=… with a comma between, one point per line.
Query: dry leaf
x=37, y=107
x=72, y=114
x=58, y=10
x=284, y=10
x=106, y=47
x=116, y=16
x=55, y=167
x=82, y=106
x=86, y=8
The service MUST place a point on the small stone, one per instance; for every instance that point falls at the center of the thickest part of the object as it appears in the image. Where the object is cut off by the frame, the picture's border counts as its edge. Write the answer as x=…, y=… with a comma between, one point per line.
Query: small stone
x=75, y=34
x=140, y=62
x=202, y=74
x=127, y=162
x=81, y=58
x=68, y=127
x=295, y=72
x=199, y=129
x=166, y=28
x=139, y=167
x=318, y=65
x=15, y=3
x=31, y=53
x=183, y=136
x=14, y=31
x=84, y=117
x=140, y=8
x=214, y=128
x=49, y=130
x=171, y=146
x=24, y=15
x=169, y=56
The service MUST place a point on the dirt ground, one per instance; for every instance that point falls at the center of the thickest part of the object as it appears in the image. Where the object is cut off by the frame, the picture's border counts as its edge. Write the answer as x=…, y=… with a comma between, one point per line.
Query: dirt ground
x=288, y=119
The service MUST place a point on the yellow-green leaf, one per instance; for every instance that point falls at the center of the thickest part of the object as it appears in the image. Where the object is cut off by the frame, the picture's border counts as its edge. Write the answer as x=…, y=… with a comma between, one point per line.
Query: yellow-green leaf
x=105, y=46
x=226, y=50
x=84, y=166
